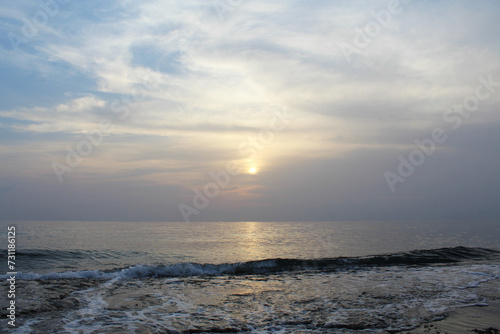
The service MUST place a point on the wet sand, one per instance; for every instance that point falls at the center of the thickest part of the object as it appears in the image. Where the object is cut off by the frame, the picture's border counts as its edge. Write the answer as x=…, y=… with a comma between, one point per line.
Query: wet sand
x=474, y=319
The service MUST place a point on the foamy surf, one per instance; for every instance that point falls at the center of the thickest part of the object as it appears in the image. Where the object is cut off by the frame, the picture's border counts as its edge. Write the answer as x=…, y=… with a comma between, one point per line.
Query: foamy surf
x=374, y=299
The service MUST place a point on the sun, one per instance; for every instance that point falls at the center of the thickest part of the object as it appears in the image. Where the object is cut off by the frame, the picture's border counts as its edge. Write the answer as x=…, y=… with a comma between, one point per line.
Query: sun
x=252, y=170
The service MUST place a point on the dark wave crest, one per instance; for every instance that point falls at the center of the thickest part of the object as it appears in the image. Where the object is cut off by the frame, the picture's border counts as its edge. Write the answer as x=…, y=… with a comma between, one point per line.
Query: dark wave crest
x=269, y=266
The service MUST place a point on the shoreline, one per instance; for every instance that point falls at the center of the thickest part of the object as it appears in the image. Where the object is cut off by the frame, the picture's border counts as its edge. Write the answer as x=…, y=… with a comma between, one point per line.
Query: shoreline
x=471, y=319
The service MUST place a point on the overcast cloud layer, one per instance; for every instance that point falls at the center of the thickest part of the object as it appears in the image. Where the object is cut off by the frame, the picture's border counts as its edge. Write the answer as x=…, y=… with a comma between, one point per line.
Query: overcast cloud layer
x=327, y=100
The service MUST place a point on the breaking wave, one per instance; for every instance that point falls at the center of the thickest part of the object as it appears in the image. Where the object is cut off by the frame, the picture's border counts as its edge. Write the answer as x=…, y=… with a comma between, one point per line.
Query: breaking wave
x=268, y=266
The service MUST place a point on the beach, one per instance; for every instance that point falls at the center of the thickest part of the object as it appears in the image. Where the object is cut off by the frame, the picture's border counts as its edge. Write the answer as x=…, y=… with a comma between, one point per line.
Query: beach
x=474, y=319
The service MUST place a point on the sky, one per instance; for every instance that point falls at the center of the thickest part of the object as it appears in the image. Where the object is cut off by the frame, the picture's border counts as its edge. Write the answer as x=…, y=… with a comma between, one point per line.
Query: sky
x=232, y=110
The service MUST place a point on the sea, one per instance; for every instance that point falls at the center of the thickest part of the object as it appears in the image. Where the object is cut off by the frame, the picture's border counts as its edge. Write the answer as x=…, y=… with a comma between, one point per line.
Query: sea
x=251, y=277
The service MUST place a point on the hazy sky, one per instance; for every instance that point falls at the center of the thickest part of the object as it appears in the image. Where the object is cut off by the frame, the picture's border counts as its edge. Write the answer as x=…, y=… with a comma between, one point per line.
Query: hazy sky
x=128, y=110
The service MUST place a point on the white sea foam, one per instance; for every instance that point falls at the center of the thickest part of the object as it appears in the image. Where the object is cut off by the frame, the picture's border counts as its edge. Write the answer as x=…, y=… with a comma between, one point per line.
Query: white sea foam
x=27, y=327
x=138, y=271
x=374, y=299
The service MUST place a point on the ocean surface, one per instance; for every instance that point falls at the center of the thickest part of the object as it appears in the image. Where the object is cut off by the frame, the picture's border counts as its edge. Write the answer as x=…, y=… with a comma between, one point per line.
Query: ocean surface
x=255, y=277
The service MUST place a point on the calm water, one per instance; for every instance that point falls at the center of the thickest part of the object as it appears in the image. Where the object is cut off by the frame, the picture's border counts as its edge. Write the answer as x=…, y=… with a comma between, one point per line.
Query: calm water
x=256, y=277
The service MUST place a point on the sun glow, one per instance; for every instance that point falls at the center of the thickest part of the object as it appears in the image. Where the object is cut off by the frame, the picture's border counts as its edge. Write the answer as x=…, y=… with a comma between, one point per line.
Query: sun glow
x=252, y=170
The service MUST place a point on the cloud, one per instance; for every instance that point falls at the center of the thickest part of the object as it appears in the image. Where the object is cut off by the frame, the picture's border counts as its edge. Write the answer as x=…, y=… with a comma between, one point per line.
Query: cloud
x=71, y=117
x=185, y=89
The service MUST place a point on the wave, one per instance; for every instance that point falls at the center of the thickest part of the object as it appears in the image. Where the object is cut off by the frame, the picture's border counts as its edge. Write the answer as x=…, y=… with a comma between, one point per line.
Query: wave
x=73, y=254
x=268, y=266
